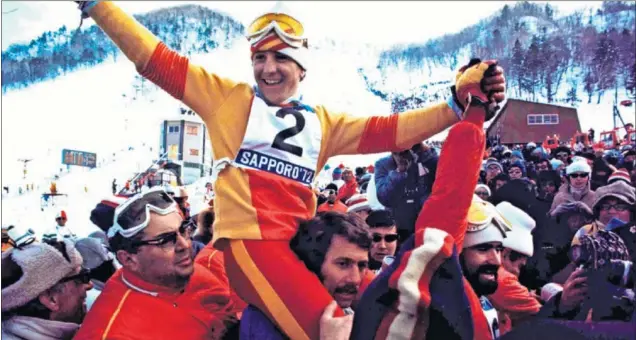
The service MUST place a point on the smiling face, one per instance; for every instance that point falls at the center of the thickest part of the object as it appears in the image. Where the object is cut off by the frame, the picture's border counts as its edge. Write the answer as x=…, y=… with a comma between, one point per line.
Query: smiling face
x=480, y=264
x=277, y=76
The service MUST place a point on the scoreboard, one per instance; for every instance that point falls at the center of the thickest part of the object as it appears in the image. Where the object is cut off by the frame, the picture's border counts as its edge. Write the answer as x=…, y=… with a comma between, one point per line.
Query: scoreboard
x=79, y=158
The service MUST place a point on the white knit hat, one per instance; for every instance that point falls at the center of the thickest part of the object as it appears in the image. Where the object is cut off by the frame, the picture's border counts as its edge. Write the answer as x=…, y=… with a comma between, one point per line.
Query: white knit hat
x=42, y=266
x=519, y=238
x=358, y=202
x=485, y=224
x=580, y=166
x=273, y=42
x=483, y=186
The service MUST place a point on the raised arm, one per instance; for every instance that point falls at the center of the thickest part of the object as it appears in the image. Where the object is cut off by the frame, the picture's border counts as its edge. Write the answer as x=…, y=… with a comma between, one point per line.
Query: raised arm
x=364, y=135
x=201, y=91
x=457, y=174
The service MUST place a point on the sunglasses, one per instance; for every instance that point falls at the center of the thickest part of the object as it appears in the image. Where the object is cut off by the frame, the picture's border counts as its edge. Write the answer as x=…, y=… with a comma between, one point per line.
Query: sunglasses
x=583, y=175
x=481, y=193
x=562, y=154
x=84, y=276
x=388, y=238
x=618, y=207
x=134, y=215
x=185, y=230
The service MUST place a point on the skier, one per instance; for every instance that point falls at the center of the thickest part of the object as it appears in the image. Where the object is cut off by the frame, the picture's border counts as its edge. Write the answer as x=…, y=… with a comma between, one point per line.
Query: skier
x=114, y=186
x=263, y=169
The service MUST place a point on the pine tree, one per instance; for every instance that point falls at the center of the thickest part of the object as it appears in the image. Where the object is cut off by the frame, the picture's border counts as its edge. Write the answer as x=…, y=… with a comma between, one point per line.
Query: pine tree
x=516, y=66
x=531, y=67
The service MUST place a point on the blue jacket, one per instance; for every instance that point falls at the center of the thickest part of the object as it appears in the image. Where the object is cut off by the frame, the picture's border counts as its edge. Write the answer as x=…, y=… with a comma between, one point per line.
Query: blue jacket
x=405, y=193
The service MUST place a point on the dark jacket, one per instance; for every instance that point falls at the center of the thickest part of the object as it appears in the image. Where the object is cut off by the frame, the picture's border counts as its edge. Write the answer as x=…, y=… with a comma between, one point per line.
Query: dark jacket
x=405, y=193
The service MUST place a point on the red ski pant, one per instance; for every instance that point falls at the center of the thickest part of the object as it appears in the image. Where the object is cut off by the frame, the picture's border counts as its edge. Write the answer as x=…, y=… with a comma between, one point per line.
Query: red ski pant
x=269, y=276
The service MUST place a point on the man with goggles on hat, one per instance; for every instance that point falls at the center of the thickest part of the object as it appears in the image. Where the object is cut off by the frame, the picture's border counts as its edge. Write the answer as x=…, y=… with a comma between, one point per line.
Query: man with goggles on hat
x=159, y=286
x=437, y=285
x=269, y=144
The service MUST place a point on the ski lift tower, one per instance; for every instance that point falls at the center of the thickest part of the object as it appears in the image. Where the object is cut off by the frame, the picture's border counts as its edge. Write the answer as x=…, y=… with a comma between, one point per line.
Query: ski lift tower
x=616, y=115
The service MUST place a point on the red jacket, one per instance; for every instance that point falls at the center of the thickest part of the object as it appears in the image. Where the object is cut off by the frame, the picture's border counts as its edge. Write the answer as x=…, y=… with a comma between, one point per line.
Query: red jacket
x=337, y=207
x=213, y=260
x=130, y=308
x=347, y=190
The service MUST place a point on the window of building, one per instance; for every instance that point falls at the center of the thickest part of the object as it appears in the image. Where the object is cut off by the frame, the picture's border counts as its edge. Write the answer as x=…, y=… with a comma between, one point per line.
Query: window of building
x=192, y=130
x=194, y=152
x=173, y=129
x=543, y=119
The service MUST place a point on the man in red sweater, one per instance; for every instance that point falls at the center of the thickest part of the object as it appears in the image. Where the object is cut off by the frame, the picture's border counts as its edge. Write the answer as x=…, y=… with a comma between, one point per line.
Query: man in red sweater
x=350, y=186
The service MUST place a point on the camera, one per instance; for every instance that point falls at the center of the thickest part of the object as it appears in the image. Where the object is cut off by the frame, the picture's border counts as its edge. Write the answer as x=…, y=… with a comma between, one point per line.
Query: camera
x=617, y=272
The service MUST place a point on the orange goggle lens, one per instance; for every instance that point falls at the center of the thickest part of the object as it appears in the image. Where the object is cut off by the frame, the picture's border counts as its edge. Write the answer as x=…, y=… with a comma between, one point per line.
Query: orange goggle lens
x=285, y=22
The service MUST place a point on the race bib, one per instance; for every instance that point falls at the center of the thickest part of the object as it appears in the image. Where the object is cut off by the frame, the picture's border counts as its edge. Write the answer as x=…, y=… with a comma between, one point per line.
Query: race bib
x=491, y=315
x=282, y=141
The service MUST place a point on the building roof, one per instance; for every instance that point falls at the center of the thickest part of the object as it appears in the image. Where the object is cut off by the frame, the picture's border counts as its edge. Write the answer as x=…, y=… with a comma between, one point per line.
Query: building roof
x=512, y=122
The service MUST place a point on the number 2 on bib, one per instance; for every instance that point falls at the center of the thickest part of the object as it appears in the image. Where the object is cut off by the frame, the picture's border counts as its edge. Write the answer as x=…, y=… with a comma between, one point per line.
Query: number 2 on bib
x=279, y=140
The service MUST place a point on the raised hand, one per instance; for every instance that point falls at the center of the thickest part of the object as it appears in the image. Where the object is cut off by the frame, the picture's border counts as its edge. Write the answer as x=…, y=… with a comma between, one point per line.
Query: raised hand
x=480, y=84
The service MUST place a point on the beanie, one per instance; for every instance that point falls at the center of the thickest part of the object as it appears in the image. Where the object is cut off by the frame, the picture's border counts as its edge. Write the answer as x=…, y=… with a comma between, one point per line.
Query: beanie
x=93, y=251
x=337, y=171
x=619, y=175
x=358, y=202
x=42, y=266
x=61, y=214
x=580, y=166
x=485, y=187
x=274, y=42
x=556, y=163
x=493, y=161
x=518, y=164
x=104, y=213
x=517, y=154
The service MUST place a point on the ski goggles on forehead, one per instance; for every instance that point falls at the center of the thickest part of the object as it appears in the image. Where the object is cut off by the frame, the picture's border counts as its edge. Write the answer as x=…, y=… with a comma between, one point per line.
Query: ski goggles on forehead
x=288, y=29
x=481, y=214
x=134, y=215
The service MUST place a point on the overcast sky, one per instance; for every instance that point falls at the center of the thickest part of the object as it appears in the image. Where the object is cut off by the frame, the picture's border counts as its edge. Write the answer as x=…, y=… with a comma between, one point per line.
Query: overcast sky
x=373, y=21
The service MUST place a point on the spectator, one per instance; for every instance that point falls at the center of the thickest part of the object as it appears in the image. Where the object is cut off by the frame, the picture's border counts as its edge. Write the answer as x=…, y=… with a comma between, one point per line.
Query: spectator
x=403, y=181
x=99, y=261
x=60, y=231
x=43, y=291
x=384, y=237
x=483, y=192
x=350, y=186
x=332, y=203
x=577, y=186
x=358, y=204
x=158, y=275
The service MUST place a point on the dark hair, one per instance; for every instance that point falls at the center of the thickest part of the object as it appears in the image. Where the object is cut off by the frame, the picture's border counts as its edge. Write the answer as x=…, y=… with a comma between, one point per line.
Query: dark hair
x=313, y=239
x=119, y=242
x=380, y=218
x=205, y=220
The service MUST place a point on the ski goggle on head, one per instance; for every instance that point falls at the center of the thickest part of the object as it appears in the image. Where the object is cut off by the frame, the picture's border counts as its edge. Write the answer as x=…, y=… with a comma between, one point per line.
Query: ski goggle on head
x=288, y=29
x=134, y=215
x=482, y=214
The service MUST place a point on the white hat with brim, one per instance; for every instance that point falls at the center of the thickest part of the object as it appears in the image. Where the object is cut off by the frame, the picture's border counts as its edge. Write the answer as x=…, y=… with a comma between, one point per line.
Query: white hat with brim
x=519, y=238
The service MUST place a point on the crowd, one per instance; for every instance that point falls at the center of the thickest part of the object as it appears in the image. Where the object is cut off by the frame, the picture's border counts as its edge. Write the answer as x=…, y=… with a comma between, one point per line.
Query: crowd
x=472, y=242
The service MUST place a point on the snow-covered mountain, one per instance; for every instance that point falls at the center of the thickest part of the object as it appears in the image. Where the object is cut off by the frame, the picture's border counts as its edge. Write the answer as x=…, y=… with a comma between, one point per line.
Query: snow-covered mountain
x=104, y=107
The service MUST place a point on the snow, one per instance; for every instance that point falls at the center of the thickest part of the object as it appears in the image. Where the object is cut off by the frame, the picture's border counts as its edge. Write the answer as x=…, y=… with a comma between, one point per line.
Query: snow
x=86, y=111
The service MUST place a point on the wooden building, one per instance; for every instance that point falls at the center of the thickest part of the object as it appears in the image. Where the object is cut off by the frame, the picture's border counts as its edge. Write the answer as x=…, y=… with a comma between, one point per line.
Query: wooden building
x=521, y=122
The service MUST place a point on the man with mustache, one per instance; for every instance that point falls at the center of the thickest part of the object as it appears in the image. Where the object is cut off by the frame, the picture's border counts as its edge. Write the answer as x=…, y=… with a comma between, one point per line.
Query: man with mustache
x=430, y=290
x=269, y=141
x=333, y=246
